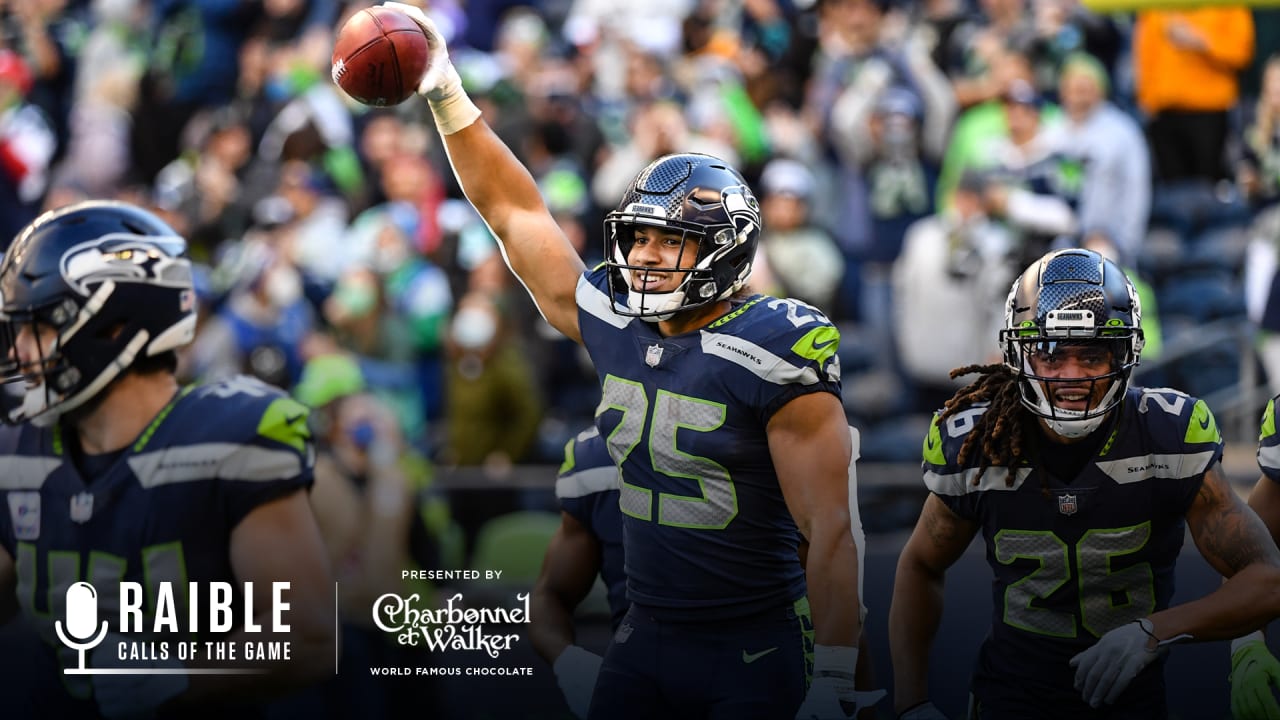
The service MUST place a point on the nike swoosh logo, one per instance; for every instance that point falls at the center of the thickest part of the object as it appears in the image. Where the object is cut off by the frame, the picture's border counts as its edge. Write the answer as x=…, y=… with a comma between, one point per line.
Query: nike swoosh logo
x=930, y=441
x=818, y=346
x=1204, y=423
x=749, y=658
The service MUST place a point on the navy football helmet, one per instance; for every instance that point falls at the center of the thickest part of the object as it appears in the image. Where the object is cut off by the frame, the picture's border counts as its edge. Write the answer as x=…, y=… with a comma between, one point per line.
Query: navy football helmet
x=703, y=198
x=1072, y=297
x=109, y=284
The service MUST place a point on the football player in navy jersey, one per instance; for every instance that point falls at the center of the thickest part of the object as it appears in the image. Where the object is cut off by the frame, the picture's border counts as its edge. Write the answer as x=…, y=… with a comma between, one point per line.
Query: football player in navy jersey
x=1255, y=672
x=723, y=414
x=1082, y=486
x=588, y=543
x=114, y=473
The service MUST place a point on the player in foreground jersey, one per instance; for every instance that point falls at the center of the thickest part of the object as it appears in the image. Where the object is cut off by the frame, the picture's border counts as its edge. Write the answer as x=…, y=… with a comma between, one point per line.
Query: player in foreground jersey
x=1081, y=485
x=1255, y=673
x=723, y=414
x=116, y=474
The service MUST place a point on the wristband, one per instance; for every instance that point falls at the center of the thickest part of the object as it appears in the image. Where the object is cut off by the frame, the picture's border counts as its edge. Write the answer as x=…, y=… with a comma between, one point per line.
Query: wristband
x=1255, y=636
x=454, y=112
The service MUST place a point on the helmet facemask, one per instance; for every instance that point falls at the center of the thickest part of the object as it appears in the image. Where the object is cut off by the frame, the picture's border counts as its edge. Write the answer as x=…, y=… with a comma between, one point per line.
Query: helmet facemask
x=719, y=226
x=1042, y=392
x=54, y=386
x=697, y=288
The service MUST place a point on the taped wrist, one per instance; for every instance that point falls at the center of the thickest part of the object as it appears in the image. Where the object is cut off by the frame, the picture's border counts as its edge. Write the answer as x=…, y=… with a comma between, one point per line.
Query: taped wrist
x=836, y=661
x=1254, y=637
x=450, y=104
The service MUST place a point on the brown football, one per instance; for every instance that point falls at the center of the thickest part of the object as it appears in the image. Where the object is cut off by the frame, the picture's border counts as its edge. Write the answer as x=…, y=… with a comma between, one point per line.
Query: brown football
x=379, y=56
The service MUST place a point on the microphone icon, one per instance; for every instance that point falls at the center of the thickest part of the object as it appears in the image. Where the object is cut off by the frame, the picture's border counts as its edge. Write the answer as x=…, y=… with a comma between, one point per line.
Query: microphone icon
x=82, y=620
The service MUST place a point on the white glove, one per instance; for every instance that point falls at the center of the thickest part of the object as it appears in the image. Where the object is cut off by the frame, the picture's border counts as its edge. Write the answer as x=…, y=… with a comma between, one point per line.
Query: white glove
x=440, y=84
x=1106, y=669
x=923, y=711
x=576, y=670
x=134, y=696
x=831, y=694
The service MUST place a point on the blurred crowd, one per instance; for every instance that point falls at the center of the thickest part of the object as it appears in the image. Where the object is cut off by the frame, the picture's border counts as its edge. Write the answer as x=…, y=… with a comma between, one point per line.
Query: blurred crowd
x=910, y=156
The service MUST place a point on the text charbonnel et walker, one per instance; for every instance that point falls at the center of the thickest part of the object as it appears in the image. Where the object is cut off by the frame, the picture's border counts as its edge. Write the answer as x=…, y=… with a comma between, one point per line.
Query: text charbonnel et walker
x=455, y=626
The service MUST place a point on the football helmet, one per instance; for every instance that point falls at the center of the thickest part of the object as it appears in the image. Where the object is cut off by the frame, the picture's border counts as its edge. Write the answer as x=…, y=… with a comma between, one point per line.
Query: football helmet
x=109, y=284
x=705, y=200
x=1071, y=297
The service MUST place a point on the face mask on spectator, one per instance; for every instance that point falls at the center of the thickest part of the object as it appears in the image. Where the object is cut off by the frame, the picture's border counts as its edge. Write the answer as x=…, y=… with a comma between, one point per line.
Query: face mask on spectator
x=388, y=258
x=283, y=287
x=473, y=328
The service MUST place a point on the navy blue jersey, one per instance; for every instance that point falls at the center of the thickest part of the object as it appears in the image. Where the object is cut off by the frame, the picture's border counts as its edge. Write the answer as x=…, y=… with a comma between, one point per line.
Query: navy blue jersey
x=587, y=489
x=707, y=531
x=1269, y=443
x=163, y=510
x=1076, y=557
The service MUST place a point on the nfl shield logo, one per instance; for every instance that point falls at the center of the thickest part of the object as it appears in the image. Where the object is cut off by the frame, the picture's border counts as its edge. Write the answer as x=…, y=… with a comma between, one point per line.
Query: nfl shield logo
x=1067, y=504
x=24, y=514
x=82, y=507
x=653, y=355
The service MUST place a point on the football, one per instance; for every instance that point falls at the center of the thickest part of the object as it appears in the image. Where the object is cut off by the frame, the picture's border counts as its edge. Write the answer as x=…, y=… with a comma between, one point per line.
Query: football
x=379, y=56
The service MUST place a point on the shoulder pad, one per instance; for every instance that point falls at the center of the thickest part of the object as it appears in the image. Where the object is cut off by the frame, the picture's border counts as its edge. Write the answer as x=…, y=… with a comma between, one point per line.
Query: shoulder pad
x=248, y=402
x=942, y=444
x=1177, y=418
x=783, y=340
x=587, y=467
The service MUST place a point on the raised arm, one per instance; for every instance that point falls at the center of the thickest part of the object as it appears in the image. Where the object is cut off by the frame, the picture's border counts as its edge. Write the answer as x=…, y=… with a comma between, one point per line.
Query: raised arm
x=501, y=189
x=940, y=537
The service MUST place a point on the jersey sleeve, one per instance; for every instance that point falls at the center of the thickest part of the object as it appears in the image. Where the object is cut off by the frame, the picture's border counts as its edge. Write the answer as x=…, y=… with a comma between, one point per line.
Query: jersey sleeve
x=587, y=471
x=1201, y=449
x=810, y=366
x=1202, y=442
x=943, y=475
x=276, y=460
x=1269, y=443
x=793, y=350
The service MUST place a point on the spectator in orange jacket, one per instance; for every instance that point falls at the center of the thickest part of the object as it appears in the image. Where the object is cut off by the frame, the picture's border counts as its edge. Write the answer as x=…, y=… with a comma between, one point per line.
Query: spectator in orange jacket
x=1186, y=62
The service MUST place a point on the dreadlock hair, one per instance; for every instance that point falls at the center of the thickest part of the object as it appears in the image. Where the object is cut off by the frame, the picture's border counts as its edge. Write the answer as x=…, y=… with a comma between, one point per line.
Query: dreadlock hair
x=1001, y=429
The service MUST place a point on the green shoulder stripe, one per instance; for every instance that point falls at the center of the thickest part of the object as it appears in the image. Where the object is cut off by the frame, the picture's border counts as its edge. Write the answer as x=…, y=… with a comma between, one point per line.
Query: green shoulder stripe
x=569, y=460
x=933, y=443
x=1268, y=420
x=1202, y=428
x=285, y=421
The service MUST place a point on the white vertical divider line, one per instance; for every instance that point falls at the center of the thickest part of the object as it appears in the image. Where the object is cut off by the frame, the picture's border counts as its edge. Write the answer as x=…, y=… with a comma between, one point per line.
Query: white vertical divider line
x=336, y=629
